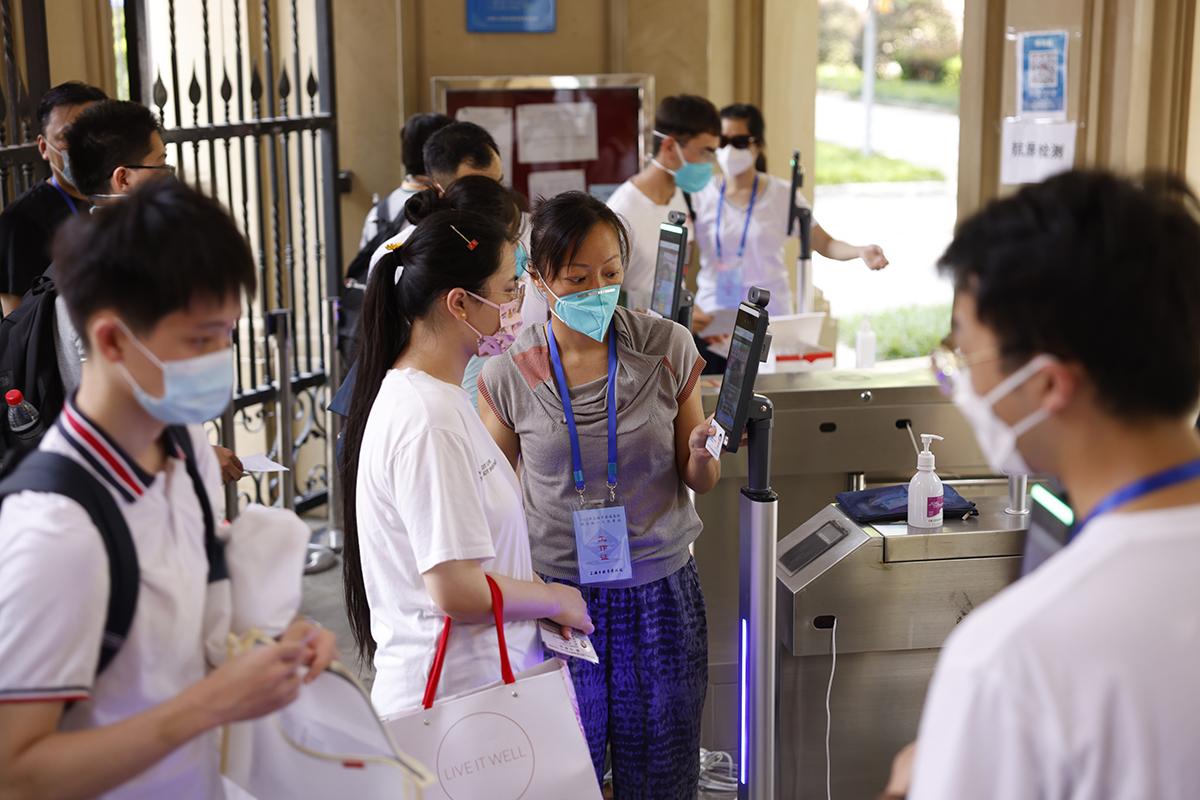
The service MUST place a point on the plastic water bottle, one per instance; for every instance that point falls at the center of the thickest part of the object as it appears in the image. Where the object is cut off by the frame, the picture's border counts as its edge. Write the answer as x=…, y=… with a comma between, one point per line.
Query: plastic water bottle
x=864, y=349
x=23, y=419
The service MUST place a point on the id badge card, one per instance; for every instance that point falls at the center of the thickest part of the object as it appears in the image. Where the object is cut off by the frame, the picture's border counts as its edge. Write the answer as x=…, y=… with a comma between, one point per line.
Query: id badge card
x=731, y=290
x=602, y=543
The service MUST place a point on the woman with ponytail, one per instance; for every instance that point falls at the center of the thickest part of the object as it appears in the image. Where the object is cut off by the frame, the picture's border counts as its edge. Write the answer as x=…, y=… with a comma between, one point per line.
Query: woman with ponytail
x=432, y=505
x=741, y=225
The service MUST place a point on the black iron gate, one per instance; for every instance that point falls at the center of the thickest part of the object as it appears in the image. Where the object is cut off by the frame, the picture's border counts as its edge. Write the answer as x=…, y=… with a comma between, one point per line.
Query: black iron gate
x=22, y=86
x=256, y=128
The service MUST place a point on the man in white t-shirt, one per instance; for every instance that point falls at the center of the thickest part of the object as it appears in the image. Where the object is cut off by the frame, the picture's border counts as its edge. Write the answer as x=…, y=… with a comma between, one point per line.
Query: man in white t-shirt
x=1079, y=681
x=686, y=136
x=155, y=284
x=416, y=131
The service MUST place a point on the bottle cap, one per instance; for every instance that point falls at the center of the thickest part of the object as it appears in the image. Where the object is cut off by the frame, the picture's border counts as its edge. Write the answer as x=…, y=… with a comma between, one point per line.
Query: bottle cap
x=14, y=397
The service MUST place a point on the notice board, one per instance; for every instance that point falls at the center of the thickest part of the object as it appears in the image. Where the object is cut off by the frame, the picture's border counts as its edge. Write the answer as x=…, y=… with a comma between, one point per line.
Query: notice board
x=560, y=132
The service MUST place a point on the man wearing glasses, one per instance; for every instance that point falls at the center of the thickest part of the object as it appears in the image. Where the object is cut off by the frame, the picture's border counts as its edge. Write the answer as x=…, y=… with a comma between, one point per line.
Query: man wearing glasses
x=1076, y=322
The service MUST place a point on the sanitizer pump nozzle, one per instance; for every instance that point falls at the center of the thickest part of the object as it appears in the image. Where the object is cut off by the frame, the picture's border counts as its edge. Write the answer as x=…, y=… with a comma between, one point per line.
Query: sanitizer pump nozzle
x=925, y=493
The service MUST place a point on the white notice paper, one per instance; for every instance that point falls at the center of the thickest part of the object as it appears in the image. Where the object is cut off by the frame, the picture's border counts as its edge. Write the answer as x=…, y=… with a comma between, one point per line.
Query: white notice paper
x=1031, y=152
x=260, y=463
x=499, y=123
x=551, y=132
x=554, y=182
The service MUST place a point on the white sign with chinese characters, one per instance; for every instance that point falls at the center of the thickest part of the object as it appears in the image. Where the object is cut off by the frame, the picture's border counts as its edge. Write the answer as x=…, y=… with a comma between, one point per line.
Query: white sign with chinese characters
x=1031, y=152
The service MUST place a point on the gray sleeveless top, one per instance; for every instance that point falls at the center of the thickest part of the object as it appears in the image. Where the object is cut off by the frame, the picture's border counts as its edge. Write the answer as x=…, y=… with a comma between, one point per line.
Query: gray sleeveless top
x=658, y=367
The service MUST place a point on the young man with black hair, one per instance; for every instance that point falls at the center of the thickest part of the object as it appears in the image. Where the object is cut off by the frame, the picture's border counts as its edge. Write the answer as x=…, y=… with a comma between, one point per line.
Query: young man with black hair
x=462, y=148
x=115, y=147
x=413, y=135
x=687, y=133
x=1076, y=322
x=156, y=284
x=27, y=224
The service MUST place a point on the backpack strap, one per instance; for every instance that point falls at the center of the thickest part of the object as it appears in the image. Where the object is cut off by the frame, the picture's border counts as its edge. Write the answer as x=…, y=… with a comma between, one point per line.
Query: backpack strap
x=213, y=547
x=52, y=473
x=687, y=201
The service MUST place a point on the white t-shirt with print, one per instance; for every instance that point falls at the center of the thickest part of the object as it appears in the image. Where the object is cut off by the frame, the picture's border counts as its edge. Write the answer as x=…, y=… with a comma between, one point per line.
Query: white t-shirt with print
x=1079, y=680
x=762, y=262
x=54, y=590
x=642, y=216
x=434, y=487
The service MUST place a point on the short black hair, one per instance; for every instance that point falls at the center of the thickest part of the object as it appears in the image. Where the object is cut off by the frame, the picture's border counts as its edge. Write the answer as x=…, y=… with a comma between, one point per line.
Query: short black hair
x=161, y=248
x=414, y=134
x=1097, y=270
x=561, y=223
x=71, y=93
x=683, y=116
x=459, y=143
x=106, y=136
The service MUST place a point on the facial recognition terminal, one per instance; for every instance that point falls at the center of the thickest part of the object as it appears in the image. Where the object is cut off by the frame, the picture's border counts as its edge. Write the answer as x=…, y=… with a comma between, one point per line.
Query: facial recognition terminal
x=668, y=269
x=747, y=348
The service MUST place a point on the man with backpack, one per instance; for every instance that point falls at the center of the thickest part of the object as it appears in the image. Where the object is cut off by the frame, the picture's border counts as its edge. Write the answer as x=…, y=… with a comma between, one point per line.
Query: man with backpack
x=96, y=699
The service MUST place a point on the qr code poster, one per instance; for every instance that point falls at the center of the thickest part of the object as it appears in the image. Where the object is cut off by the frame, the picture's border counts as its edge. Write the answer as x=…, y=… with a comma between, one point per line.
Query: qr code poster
x=1042, y=74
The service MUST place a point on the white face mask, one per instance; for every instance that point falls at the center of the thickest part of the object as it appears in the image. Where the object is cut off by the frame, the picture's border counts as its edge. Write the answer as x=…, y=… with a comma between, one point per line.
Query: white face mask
x=734, y=161
x=997, y=439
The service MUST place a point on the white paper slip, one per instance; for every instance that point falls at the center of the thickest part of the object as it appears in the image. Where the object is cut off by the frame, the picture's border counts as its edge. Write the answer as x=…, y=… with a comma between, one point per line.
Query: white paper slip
x=260, y=463
x=578, y=646
x=722, y=323
x=716, y=441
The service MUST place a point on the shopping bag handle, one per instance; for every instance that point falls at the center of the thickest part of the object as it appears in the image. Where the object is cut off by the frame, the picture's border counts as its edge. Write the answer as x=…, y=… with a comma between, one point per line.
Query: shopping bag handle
x=439, y=658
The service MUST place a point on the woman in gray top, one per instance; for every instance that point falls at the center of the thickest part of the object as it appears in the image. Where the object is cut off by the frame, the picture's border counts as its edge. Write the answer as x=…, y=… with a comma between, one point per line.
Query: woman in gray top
x=605, y=478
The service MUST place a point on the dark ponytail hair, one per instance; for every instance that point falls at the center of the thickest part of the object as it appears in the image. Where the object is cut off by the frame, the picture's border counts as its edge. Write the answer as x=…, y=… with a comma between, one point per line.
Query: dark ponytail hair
x=435, y=259
x=562, y=222
x=477, y=193
x=749, y=114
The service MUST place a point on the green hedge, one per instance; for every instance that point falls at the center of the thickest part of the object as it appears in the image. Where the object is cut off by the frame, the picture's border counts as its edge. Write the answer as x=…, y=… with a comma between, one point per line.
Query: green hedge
x=837, y=164
x=908, y=332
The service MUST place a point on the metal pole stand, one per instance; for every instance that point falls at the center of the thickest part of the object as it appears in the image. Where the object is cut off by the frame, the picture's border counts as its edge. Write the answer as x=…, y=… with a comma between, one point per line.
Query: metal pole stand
x=333, y=534
x=804, y=265
x=1018, y=495
x=756, y=611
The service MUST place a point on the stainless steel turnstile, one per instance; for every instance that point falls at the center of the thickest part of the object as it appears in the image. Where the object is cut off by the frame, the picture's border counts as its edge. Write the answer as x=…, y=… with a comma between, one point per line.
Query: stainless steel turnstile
x=896, y=594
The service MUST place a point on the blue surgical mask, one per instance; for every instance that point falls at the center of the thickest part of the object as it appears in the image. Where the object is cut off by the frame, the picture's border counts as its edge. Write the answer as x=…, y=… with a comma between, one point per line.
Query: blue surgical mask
x=195, y=390
x=692, y=176
x=66, y=162
x=588, y=312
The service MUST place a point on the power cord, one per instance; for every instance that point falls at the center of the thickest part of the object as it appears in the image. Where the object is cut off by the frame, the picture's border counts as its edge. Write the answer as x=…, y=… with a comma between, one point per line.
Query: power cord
x=829, y=712
x=718, y=773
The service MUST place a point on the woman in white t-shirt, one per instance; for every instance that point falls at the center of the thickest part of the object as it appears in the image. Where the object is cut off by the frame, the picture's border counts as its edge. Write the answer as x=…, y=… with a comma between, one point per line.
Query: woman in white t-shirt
x=433, y=505
x=741, y=224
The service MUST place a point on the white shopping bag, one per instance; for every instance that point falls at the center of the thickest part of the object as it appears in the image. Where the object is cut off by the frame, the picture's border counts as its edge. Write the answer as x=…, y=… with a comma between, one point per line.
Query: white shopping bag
x=519, y=738
x=329, y=743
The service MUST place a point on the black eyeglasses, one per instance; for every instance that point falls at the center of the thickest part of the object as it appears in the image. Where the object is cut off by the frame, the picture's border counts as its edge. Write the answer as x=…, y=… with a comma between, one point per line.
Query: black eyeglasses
x=167, y=168
x=739, y=142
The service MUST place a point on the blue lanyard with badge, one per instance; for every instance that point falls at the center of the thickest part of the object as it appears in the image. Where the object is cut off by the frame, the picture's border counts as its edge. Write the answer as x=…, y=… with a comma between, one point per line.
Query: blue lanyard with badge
x=601, y=532
x=1157, y=482
x=731, y=288
x=70, y=201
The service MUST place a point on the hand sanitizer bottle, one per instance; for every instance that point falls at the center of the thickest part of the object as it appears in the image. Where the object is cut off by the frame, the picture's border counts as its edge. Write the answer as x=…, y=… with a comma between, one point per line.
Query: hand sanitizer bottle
x=925, y=496
x=864, y=349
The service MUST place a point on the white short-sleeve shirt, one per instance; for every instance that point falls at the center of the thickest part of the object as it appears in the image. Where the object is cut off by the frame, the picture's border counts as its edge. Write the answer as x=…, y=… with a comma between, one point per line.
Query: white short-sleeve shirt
x=433, y=487
x=762, y=261
x=642, y=216
x=54, y=589
x=1080, y=680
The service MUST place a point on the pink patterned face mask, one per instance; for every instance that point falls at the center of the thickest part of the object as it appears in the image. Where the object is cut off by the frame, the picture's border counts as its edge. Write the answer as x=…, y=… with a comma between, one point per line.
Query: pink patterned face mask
x=493, y=344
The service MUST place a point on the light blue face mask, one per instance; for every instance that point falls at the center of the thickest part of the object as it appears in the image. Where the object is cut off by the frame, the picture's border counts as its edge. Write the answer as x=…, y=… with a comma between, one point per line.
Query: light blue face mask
x=195, y=390
x=692, y=176
x=588, y=312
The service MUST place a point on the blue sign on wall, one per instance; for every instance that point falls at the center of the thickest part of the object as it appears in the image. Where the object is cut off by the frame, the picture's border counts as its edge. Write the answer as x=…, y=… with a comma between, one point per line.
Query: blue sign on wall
x=511, y=16
x=1042, y=74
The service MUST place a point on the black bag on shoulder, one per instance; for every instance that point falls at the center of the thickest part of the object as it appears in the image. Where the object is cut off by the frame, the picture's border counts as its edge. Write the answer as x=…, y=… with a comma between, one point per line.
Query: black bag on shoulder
x=354, y=286
x=28, y=358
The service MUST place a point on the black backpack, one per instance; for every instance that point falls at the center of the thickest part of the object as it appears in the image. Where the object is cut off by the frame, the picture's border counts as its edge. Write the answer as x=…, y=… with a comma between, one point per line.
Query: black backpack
x=43, y=471
x=28, y=359
x=354, y=286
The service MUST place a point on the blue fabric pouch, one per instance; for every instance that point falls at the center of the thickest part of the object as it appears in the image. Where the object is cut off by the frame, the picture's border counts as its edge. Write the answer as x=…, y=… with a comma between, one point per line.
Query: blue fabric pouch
x=890, y=504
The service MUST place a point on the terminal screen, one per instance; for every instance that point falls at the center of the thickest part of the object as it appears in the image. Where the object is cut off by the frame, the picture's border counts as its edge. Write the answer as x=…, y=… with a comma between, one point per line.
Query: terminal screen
x=666, y=277
x=735, y=375
x=811, y=547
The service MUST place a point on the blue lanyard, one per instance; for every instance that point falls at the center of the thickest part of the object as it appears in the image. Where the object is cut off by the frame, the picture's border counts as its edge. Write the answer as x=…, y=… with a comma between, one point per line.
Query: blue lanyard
x=564, y=394
x=1139, y=489
x=745, y=227
x=69, y=200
